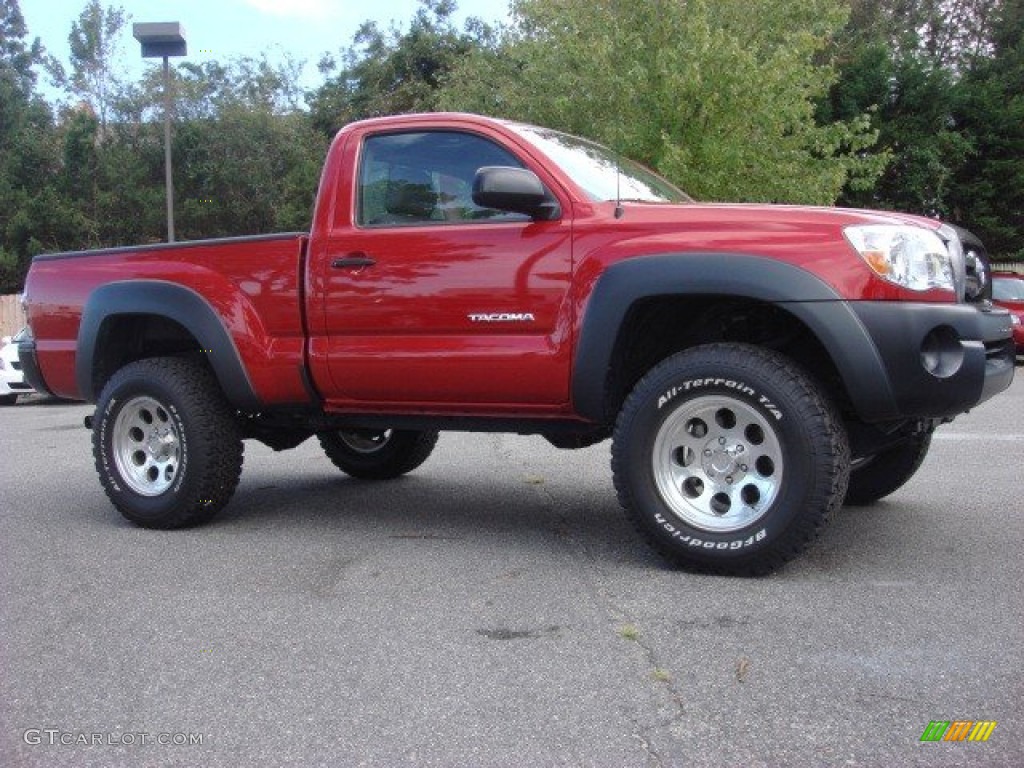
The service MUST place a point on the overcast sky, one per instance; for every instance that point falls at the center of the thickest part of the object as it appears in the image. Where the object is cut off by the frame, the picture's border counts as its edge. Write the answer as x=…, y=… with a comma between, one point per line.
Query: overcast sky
x=224, y=29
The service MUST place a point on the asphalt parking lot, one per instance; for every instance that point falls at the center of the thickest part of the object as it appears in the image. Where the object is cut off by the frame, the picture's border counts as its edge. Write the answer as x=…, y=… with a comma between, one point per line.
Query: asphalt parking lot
x=495, y=609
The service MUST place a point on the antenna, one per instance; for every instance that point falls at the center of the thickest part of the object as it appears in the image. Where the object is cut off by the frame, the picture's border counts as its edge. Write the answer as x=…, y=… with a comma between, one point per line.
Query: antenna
x=619, y=210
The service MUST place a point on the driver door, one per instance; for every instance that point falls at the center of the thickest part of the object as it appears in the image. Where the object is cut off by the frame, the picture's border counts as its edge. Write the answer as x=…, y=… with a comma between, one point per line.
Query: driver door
x=436, y=303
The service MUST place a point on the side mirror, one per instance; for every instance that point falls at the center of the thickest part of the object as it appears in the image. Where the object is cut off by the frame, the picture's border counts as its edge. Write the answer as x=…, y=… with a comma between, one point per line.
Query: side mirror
x=516, y=190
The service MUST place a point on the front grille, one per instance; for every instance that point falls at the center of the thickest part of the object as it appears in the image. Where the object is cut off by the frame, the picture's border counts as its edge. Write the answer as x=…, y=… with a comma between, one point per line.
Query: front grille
x=954, y=245
x=1003, y=349
x=976, y=264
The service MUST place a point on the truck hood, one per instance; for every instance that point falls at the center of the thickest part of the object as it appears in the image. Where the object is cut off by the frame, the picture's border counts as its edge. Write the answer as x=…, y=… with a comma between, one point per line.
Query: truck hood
x=810, y=238
x=788, y=215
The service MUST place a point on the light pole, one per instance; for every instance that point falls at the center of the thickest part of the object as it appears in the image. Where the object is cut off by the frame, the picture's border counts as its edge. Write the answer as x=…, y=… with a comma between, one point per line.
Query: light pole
x=163, y=39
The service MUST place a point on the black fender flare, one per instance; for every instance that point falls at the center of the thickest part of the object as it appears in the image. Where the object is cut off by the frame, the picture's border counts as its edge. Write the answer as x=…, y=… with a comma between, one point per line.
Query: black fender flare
x=803, y=294
x=174, y=302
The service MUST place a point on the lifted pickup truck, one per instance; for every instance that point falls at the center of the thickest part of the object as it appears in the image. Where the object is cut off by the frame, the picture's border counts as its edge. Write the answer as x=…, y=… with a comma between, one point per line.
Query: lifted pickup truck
x=756, y=366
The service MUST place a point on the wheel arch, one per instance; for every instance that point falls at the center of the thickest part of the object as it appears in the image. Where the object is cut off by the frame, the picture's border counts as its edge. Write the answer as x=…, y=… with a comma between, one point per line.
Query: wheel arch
x=131, y=320
x=644, y=309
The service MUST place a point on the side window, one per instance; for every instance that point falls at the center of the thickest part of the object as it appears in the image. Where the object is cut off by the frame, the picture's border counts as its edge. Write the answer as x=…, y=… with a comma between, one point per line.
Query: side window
x=426, y=178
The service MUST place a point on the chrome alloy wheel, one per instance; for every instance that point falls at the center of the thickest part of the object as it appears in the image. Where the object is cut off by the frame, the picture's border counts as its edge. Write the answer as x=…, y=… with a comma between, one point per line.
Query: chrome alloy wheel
x=364, y=440
x=146, y=446
x=717, y=463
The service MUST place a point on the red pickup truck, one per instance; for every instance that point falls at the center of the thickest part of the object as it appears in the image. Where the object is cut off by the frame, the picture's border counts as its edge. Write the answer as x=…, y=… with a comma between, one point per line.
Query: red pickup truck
x=756, y=366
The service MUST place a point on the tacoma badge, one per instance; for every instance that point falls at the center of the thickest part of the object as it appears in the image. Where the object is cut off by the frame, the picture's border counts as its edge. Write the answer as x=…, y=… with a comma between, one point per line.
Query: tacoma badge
x=502, y=317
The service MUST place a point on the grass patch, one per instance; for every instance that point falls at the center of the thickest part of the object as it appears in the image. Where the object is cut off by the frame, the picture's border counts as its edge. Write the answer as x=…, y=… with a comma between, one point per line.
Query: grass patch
x=629, y=632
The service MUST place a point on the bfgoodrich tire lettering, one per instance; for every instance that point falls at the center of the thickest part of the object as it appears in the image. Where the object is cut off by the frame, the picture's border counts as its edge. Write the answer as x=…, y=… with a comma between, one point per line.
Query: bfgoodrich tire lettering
x=377, y=454
x=167, y=447
x=729, y=459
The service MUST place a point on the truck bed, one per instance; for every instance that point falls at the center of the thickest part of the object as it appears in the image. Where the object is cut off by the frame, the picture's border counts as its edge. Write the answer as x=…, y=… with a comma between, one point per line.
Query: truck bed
x=253, y=283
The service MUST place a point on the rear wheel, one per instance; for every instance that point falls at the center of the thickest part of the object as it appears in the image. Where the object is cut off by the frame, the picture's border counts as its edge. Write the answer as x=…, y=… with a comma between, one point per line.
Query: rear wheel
x=377, y=454
x=877, y=476
x=728, y=459
x=167, y=447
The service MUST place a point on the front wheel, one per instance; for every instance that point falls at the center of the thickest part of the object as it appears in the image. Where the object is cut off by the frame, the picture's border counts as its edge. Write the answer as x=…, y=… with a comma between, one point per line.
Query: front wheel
x=875, y=477
x=377, y=454
x=729, y=459
x=168, y=449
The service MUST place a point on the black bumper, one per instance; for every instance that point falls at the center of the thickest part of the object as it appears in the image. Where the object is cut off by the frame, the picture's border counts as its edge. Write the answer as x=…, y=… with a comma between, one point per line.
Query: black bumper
x=30, y=366
x=937, y=360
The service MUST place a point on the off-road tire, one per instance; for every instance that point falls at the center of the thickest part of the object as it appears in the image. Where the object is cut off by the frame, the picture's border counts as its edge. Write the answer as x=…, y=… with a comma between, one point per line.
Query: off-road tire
x=167, y=447
x=377, y=454
x=729, y=459
x=877, y=476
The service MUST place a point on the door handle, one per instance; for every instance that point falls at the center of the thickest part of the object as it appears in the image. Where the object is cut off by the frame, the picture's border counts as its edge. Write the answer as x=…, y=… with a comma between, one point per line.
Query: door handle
x=356, y=260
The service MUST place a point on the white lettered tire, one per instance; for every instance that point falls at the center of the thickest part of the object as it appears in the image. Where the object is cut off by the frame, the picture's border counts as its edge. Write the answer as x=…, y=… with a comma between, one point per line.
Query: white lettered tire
x=167, y=447
x=729, y=459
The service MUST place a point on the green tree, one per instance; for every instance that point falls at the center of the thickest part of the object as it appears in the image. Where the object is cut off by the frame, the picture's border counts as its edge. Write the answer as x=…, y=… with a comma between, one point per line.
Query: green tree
x=989, y=107
x=910, y=99
x=94, y=43
x=204, y=90
x=394, y=71
x=943, y=81
x=28, y=152
x=718, y=96
x=17, y=56
x=246, y=157
x=79, y=176
x=246, y=172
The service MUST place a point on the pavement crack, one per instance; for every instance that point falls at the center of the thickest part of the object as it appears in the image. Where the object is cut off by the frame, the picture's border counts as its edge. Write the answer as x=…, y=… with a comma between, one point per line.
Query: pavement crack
x=653, y=758
x=658, y=673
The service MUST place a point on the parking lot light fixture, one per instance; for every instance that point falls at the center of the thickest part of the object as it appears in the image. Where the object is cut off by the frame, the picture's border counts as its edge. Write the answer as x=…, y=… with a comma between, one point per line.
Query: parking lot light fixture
x=163, y=39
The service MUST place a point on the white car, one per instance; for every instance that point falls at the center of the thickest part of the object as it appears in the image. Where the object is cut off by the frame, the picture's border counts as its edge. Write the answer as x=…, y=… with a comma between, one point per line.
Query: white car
x=12, y=379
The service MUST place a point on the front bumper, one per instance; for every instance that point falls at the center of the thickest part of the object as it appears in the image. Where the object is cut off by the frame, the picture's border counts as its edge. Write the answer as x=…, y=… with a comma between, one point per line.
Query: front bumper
x=940, y=360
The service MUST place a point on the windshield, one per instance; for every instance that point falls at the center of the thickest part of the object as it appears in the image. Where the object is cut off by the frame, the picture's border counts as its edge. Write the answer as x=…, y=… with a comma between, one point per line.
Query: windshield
x=1008, y=289
x=602, y=173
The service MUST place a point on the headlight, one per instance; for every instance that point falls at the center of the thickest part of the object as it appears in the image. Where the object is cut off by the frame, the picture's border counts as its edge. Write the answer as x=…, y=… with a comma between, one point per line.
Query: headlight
x=913, y=257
